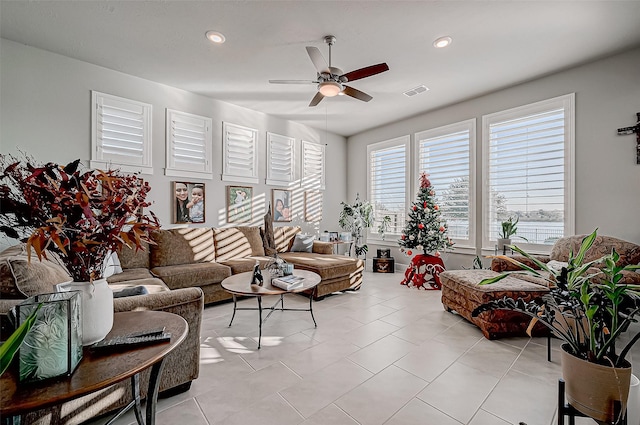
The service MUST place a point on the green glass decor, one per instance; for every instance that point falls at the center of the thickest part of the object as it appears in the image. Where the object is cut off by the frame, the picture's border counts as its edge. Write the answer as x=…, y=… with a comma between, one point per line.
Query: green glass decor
x=53, y=347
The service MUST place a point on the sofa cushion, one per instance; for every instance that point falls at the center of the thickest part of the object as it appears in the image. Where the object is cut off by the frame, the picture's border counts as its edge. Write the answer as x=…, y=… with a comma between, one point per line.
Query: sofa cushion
x=132, y=258
x=241, y=265
x=327, y=266
x=189, y=275
x=237, y=242
x=629, y=252
x=21, y=278
x=130, y=274
x=182, y=246
x=283, y=236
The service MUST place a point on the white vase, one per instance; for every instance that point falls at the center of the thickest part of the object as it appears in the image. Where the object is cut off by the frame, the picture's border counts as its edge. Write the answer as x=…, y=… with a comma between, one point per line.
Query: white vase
x=97, y=308
x=633, y=405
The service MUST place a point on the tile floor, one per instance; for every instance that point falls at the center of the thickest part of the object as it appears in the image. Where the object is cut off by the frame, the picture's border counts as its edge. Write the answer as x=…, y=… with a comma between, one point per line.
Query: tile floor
x=386, y=354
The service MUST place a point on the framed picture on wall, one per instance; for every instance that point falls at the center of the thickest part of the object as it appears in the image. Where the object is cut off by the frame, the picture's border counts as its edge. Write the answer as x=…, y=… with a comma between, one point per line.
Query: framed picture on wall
x=281, y=204
x=312, y=205
x=188, y=202
x=239, y=206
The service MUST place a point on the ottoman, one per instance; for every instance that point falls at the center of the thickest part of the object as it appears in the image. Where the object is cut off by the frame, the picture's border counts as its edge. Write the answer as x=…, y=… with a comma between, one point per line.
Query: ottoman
x=462, y=294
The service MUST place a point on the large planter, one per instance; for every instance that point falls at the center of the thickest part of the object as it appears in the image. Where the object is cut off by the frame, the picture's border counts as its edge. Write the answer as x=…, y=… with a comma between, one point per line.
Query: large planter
x=592, y=388
x=97, y=308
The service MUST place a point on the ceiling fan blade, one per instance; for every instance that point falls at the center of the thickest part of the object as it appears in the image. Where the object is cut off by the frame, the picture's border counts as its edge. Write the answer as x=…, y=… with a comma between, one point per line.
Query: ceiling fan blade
x=366, y=72
x=350, y=91
x=318, y=60
x=292, y=82
x=316, y=99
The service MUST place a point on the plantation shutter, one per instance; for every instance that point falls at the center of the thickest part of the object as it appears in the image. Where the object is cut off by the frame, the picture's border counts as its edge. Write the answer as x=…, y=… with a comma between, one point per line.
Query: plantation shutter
x=444, y=154
x=313, y=165
x=280, y=159
x=188, y=145
x=388, y=189
x=527, y=173
x=240, y=145
x=121, y=133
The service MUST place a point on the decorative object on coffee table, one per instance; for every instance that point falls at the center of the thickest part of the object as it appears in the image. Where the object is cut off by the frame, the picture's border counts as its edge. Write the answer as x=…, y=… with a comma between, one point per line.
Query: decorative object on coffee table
x=425, y=231
x=54, y=345
x=82, y=215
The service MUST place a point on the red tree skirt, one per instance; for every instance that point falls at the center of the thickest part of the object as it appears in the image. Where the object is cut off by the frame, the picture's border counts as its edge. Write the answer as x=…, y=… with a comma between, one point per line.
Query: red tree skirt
x=420, y=266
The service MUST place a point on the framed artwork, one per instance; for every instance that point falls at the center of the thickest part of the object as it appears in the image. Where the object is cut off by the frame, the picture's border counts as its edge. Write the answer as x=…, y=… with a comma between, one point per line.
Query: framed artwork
x=333, y=237
x=239, y=205
x=281, y=204
x=188, y=202
x=312, y=205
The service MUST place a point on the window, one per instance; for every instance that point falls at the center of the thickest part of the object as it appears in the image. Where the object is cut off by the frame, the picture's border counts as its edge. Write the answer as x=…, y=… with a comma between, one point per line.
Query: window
x=280, y=159
x=528, y=172
x=447, y=155
x=312, y=165
x=240, y=153
x=387, y=186
x=188, y=145
x=120, y=133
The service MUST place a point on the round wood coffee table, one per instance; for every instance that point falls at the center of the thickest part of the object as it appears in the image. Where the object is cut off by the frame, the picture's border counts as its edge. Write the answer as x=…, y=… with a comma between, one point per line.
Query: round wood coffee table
x=99, y=369
x=240, y=284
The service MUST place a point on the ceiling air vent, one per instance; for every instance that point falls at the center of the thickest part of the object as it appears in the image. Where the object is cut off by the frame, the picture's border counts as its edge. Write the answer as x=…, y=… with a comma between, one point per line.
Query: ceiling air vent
x=416, y=90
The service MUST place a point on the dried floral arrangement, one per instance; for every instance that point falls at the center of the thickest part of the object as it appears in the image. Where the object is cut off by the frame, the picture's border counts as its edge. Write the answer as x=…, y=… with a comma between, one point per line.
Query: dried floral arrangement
x=83, y=215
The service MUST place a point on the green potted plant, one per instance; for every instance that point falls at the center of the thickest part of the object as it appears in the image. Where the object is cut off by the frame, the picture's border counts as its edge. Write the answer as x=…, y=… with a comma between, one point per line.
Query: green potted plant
x=589, y=308
x=84, y=216
x=508, y=228
x=356, y=218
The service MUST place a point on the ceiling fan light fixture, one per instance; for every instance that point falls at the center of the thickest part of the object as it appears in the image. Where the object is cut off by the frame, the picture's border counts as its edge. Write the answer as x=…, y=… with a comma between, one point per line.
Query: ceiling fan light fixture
x=329, y=88
x=441, y=42
x=215, y=37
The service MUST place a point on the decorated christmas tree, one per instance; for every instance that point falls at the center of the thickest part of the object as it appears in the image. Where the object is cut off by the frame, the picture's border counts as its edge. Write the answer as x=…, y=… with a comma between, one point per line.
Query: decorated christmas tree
x=425, y=230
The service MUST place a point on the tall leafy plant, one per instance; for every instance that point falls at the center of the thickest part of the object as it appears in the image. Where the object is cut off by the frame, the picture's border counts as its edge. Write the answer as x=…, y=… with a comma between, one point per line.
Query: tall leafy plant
x=356, y=218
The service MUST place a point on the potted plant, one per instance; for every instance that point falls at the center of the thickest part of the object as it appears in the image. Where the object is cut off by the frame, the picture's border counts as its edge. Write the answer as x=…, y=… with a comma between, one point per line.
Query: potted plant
x=355, y=218
x=589, y=309
x=384, y=226
x=82, y=215
x=508, y=229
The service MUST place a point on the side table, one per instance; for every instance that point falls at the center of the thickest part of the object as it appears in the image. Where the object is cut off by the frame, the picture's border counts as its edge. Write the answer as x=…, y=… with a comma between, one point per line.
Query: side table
x=100, y=369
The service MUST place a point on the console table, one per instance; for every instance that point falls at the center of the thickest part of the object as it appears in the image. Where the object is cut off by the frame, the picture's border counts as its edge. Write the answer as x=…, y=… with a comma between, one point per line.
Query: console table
x=99, y=369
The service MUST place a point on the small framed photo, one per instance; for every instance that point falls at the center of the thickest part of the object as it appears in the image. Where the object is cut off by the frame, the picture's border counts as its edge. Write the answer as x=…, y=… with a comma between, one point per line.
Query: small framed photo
x=188, y=202
x=281, y=204
x=239, y=204
x=313, y=206
x=333, y=237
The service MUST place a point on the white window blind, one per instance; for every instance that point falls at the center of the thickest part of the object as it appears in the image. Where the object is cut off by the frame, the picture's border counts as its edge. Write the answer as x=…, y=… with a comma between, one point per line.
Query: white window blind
x=189, y=145
x=280, y=159
x=446, y=154
x=387, y=187
x=240, y=146
x=529, y=171
x=121, y=133
x=313, y=165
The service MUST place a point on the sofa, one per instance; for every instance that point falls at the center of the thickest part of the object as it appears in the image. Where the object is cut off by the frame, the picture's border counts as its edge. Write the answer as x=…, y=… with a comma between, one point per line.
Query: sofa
x=461, y=292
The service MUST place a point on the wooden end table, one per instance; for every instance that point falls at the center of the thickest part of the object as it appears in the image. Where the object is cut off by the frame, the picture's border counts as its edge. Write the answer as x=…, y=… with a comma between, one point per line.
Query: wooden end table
x=240, y=284
x=99, y=369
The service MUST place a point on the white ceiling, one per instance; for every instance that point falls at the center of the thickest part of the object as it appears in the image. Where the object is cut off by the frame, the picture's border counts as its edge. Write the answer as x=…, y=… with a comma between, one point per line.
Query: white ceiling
x=495, y=44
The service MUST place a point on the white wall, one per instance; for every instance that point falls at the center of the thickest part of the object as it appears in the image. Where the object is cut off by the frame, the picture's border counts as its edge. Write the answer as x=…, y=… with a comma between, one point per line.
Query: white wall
x=607, y=177
x=45, y=111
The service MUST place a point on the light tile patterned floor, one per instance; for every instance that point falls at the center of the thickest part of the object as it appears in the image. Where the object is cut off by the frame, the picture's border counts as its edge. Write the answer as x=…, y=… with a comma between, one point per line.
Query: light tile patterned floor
x=386, y=354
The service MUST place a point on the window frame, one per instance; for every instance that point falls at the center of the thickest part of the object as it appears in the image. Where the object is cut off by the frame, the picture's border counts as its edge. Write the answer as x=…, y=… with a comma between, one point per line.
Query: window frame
x=567, y=103
x=103, y=161
x=470, y=126
x=227, y=172
x=170, y=168
x=310, y=181
x=372, y=232
x=273, y=140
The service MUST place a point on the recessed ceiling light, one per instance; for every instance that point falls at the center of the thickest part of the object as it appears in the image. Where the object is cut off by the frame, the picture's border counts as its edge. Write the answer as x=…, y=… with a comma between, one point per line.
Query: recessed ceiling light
x=441, y=42
x=215, y=37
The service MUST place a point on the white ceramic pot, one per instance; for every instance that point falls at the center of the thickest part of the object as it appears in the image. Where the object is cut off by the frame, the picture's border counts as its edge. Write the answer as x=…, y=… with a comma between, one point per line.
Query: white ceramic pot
x=97, y=308
x=502, y=243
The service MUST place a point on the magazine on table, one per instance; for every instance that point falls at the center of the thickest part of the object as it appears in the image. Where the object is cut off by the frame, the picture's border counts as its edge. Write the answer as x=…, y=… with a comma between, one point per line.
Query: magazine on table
x=288, y=282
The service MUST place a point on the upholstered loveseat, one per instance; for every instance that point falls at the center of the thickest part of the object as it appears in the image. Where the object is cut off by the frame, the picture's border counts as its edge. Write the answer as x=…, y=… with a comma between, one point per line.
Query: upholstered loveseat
x=462, y=293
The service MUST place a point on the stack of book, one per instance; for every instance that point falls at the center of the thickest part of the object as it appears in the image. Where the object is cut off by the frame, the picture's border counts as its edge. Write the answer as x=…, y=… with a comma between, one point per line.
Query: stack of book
x=287, y=282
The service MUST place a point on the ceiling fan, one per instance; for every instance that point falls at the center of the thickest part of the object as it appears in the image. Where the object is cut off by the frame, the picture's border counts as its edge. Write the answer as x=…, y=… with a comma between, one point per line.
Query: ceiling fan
x=331, y=80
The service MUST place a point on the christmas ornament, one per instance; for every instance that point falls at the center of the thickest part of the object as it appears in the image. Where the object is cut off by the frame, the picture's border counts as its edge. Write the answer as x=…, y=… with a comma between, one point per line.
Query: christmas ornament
x=420, y=226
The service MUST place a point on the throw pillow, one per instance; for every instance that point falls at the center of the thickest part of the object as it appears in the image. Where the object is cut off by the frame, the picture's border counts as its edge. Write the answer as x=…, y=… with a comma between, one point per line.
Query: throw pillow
x=111, y=265
x=302, y=243
x=36, y=277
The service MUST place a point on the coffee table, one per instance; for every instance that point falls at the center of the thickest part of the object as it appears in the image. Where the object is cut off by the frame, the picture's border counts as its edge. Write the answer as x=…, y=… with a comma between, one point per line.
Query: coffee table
x=99, y=369
x=240, y=284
